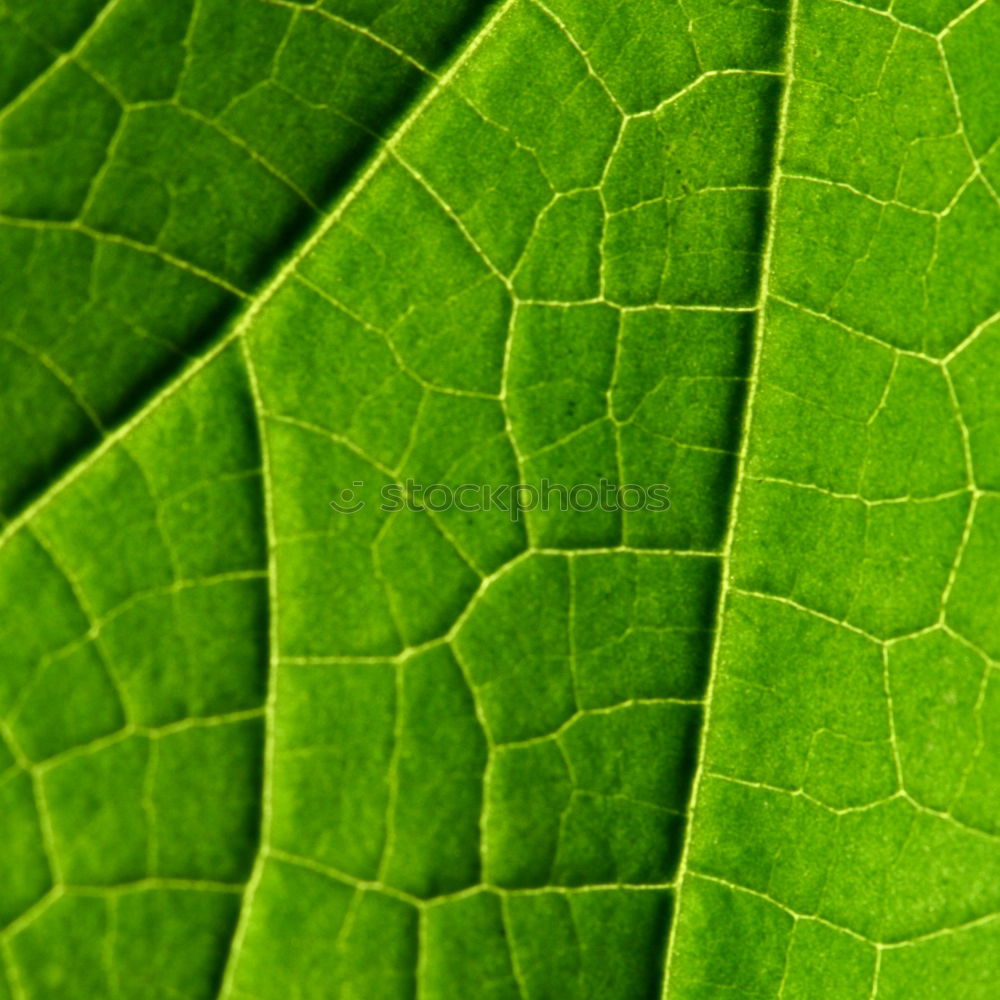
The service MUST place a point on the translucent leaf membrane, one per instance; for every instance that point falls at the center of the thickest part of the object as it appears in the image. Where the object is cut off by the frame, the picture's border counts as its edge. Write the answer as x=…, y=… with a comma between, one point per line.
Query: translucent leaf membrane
x=846, y=836
x=485, y=727
x=135, y=674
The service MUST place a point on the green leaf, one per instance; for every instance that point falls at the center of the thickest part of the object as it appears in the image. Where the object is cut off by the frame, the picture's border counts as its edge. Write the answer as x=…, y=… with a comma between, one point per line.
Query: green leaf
x=264, y=255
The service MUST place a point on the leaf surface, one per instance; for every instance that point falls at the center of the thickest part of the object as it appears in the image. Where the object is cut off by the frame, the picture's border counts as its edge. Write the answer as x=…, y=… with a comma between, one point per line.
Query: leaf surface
x=257, y=747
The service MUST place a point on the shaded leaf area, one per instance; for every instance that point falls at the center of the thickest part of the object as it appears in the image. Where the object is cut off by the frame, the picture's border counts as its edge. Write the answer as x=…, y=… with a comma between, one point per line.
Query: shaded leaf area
x=477, y=728
x=156, y=161
x=846, y=831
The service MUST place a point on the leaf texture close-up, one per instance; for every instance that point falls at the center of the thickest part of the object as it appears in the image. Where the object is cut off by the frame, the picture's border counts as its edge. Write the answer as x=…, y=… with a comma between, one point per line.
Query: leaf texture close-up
x=265, y=262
